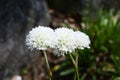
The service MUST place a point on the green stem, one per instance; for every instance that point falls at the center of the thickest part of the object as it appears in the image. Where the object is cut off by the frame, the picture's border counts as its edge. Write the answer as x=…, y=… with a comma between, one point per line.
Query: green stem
x=75, y=65
x=76, y=58
x=48, y=66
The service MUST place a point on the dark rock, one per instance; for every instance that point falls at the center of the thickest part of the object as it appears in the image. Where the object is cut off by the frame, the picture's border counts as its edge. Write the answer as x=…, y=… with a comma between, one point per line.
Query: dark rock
x=82, y=7
x=17, y=17
x=66, y=6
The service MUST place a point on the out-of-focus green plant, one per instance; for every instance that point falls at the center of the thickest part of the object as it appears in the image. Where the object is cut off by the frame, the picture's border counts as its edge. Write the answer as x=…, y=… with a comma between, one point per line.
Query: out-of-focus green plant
x=102, y=61
x=117, y=78
x=105, y=36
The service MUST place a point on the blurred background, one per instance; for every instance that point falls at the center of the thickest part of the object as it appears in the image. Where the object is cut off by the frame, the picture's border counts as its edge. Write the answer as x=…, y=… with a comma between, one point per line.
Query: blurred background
x=100, y=19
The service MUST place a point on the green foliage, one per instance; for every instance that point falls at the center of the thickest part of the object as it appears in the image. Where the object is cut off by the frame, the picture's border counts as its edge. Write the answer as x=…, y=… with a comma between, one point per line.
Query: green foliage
x=104, y=32
x=105, y=39
x=118, y=78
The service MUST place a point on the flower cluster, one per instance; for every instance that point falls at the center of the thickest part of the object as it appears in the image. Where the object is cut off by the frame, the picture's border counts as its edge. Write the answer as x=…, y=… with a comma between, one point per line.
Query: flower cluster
x=82, y=40
x=62, y=39
x=65, y=39
x=40, y=38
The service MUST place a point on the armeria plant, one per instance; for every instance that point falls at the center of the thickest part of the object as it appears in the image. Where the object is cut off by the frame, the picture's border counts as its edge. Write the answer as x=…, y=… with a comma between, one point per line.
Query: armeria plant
x=62, y=41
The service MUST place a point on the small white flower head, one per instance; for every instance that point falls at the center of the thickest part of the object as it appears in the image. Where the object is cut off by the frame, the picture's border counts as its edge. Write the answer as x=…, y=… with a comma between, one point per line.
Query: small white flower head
x=64, y=40
x=17, y=77
x=82, y=40
x=40, y=38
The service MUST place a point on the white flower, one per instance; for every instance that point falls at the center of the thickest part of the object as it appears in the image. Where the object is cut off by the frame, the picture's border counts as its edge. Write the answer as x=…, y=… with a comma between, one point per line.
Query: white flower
x=40, y=38
x=82, y=40
x=64, y=40
x=17, y=77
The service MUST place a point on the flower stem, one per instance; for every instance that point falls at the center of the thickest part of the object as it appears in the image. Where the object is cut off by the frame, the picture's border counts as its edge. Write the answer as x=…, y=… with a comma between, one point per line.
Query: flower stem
x=75, y=63
x=48, y=66
x=76, y=58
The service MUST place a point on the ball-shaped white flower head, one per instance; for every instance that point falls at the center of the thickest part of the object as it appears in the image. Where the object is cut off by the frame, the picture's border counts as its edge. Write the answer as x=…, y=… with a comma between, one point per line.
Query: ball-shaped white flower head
x=40, y=38
x=16, y=77
x=64, y=40
x=82, y=40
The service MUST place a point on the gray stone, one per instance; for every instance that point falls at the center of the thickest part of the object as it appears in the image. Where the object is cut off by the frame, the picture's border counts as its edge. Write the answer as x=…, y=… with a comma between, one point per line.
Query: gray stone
x=17, y=17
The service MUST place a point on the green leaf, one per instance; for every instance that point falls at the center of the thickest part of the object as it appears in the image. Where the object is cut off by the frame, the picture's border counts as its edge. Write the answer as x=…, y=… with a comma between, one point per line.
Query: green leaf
x=66, y=72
